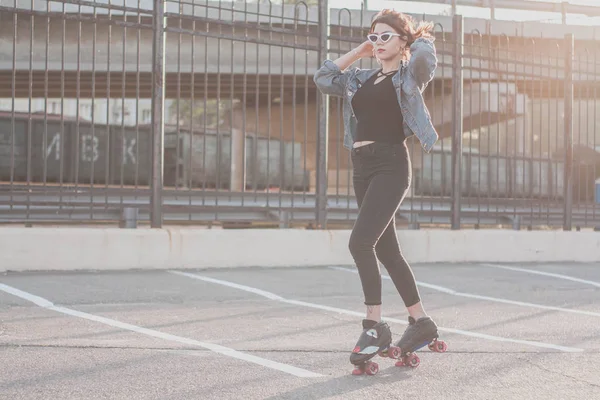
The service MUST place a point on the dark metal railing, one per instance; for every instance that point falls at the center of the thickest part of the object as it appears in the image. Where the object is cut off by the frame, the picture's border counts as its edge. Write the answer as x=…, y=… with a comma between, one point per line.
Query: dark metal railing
x=205, y=112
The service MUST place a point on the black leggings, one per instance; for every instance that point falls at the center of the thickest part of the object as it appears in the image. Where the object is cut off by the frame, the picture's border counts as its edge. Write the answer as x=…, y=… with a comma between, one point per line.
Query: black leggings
x=382, y=176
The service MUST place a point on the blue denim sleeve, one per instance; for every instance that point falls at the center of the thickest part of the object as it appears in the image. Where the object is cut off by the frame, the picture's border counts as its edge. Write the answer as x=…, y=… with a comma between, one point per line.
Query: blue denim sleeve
x=423, y=60
x=330, y=79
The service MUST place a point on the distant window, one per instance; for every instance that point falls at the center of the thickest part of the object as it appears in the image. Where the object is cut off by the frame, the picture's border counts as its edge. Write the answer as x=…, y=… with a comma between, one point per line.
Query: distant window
x=85, y=111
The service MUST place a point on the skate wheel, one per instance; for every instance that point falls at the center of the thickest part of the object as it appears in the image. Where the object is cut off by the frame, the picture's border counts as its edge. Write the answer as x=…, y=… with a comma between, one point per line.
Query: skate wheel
x=358, y=370
x=394, y=352
x=441, y=346
x=431, y=346
x=372, y=368
x=413, y=361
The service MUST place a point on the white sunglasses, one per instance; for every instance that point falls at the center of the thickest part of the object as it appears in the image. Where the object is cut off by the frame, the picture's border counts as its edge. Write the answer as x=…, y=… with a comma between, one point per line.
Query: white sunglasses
x=385, y=37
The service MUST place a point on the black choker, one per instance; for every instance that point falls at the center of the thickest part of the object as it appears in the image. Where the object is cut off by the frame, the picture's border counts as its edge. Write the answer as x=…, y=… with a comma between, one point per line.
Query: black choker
x=381, y=73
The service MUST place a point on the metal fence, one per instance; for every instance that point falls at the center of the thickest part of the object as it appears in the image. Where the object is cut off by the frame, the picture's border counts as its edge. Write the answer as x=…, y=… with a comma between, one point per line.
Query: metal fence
x=204, y=112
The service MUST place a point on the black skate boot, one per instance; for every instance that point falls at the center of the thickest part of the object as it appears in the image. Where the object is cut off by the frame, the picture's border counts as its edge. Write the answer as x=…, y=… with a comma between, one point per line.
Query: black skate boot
x=420, y=333
x=375, y=339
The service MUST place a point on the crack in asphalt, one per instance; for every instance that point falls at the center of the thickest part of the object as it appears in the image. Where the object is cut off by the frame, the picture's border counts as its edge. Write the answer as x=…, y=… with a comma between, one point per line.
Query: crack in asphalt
x=560, y=373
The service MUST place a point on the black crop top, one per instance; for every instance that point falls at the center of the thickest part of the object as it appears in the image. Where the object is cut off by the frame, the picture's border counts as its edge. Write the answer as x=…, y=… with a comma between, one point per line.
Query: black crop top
x=378, y=112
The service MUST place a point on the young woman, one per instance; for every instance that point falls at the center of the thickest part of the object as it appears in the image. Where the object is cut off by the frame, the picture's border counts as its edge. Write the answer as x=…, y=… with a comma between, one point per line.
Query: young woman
x=382, y=108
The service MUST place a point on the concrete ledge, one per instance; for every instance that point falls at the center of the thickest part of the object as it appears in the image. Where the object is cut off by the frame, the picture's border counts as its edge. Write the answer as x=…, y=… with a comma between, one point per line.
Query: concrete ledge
x=34, y=249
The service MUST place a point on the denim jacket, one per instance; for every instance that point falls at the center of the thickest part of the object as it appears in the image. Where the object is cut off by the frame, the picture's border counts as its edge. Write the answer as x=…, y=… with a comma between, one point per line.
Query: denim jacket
x=410, y=81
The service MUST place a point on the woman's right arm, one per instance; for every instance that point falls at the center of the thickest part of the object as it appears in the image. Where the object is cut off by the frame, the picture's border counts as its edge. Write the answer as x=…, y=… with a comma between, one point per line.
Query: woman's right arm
x=332, y=77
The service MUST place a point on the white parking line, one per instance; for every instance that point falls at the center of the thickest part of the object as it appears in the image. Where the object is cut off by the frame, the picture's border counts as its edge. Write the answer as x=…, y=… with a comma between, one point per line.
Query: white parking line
x=487, y=298
x=40, y=301
x=533, y=271
x=275, y=297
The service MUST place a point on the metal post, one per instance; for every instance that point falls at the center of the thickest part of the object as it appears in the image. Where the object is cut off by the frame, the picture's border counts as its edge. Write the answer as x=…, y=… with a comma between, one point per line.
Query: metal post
x=323, y=111
x=129, y=218
x=158, y=109
x=457, y=107
x=568, y=169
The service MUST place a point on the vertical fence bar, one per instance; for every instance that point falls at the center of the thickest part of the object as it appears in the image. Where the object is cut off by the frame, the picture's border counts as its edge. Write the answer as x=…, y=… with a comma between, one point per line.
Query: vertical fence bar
x=457, y=107
x=257, y=102
x=205, y=107
x=107, y=172
x=158, y=100
x=45, y=135
x=123, y=97
x=595, y=129
x=322, y=133
x=192, y=106
x=568, y=139
x=138, y=61
x=91, y=157
x=281, y=160
x=61, y=146
x=244, y=153
x=29, y=107
x=219, y=102
x=13, y=136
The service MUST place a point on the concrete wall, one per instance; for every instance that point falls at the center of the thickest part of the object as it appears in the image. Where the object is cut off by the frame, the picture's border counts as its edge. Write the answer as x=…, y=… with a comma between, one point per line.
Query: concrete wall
x=29, y=249
x=271, y=51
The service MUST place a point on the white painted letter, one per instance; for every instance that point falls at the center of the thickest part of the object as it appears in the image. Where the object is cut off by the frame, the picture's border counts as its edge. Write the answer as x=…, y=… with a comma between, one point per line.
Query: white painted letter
x=89, y=152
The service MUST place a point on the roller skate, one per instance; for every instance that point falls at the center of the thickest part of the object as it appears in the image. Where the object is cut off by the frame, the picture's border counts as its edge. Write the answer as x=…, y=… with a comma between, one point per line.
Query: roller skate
x=419, y=334
x=374, y=340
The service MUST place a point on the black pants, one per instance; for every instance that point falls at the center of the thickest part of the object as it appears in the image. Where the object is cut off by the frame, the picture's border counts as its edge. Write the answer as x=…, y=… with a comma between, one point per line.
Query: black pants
x=382, y=174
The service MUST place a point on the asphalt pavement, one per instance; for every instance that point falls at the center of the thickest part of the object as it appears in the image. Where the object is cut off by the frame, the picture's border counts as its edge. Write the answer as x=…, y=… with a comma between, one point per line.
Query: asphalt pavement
x=516, y=331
